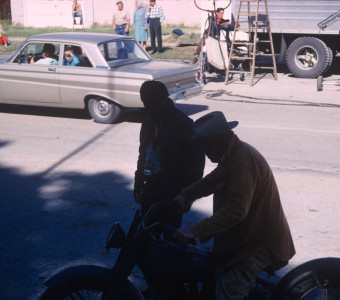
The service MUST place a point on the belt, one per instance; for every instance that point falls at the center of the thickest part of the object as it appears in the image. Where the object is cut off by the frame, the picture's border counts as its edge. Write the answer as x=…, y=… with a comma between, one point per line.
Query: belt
x=121, y=25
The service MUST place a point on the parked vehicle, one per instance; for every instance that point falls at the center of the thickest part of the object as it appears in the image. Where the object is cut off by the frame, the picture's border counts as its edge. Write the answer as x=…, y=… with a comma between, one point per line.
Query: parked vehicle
x=177, y=271
x=320, y=82
x=306, y=34
x=106, y=77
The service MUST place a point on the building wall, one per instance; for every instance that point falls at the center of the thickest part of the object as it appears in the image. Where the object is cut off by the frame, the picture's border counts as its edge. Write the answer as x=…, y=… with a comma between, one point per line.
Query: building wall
x=5, y=9
x=44, y=13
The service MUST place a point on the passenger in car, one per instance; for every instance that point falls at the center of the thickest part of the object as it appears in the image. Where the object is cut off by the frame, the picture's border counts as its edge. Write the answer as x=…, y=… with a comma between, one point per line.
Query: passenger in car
x=48, y=56
x=122, y=53
x=46, y=60
x=70, y=58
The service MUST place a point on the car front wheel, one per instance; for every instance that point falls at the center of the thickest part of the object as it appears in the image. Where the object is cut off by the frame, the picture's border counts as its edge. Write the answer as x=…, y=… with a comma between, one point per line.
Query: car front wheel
x=103, y=111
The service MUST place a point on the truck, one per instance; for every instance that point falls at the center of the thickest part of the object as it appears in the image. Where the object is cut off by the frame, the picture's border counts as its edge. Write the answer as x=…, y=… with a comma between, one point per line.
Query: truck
x=306, y=34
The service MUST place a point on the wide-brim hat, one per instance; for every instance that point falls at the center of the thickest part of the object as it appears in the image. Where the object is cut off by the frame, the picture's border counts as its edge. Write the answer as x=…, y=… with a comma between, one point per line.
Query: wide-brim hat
x=211, y=124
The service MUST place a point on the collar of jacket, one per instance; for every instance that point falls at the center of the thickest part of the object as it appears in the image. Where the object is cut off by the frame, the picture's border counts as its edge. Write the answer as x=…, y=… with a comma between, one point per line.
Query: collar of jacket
x=165, y=114
x=231, y=142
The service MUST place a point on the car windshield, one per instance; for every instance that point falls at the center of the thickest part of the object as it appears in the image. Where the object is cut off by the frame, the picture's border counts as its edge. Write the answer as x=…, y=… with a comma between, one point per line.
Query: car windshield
x=122, y=52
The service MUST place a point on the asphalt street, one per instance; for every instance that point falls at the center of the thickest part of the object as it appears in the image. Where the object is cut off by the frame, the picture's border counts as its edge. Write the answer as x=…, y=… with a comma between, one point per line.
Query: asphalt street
x=64, y=179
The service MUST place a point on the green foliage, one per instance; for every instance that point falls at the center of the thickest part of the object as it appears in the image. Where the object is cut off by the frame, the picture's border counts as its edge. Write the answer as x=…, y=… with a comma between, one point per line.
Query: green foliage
x=171, y=51
x=10, y=49
x=176, y=53
x=21, y=31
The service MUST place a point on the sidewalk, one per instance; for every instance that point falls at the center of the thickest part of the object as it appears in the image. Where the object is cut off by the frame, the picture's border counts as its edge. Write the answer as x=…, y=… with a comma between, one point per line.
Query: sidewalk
x=285, y=90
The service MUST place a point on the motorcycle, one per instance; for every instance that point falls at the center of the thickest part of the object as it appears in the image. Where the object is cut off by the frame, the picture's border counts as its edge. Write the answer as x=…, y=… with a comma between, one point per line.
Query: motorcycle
x=174, y=270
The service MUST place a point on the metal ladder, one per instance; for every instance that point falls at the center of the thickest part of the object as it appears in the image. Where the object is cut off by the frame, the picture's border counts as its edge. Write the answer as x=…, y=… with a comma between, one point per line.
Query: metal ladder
x=254, y=18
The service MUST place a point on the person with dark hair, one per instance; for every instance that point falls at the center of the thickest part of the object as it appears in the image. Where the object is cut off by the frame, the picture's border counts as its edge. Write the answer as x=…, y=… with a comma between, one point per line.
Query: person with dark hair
x=122, y=53
x=225, y=24
x=70, y=59
x=249, y=227
x=168, y=161
x=48, y=57
x=155, y=16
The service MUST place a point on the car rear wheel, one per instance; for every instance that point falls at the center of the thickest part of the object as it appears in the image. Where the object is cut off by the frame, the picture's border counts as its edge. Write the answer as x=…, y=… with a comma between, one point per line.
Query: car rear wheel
x=103, y=111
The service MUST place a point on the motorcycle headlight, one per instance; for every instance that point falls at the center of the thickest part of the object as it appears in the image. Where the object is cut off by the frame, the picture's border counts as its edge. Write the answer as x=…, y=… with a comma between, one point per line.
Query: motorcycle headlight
x=116, y=237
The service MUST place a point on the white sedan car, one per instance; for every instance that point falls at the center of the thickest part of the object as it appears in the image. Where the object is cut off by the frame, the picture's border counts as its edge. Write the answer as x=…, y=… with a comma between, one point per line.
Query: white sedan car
x=99, y=72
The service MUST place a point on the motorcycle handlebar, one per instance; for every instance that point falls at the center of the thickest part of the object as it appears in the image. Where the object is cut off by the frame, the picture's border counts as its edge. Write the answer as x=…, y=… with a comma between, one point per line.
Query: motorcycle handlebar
x=163, y=227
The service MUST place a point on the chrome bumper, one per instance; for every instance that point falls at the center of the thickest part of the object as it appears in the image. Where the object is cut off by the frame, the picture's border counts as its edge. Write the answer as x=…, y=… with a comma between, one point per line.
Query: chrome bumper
x=185, y=93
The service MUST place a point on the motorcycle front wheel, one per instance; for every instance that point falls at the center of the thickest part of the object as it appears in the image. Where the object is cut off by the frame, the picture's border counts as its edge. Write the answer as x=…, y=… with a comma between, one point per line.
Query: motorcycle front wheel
x=88, y=288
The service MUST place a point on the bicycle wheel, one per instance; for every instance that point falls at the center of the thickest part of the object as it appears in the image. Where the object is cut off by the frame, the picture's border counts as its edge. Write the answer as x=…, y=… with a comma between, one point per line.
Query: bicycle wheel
x=88, y=288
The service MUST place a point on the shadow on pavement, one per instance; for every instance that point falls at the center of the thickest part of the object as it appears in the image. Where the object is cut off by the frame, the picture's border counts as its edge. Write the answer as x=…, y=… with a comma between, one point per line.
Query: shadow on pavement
x=51, y=220
x=133, y=115
x=45, y=111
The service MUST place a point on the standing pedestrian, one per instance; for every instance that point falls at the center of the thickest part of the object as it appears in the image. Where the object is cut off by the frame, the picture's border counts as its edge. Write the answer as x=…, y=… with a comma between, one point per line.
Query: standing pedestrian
x=155, y=17
x=168, y=161
x=121, y=20
x=77, y=12
x=140, y=24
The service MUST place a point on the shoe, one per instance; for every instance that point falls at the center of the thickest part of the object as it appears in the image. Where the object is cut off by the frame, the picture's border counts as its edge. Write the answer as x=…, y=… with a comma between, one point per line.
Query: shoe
x=81, y=22
x=74, y=22
x=154, y=52
x=160, y=51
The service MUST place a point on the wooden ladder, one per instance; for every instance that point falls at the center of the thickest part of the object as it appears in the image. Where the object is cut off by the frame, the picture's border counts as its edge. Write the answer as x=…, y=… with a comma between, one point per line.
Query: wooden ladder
x=253, y=27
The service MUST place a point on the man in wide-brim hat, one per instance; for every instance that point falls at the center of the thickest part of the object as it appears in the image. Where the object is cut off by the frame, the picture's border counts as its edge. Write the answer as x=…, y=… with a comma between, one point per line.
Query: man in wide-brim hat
x=248, y=224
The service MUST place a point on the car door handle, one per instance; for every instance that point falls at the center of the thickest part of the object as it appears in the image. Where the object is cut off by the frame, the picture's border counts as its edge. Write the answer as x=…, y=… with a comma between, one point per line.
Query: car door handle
x=51, y=69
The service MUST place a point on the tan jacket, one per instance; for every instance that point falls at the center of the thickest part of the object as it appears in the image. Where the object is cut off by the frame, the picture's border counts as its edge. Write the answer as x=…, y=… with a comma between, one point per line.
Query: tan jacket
x=76, y=8
x=247, y=212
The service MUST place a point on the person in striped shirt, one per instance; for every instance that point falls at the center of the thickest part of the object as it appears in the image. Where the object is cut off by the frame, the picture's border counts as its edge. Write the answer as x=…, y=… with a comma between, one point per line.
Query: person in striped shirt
x=155, y=17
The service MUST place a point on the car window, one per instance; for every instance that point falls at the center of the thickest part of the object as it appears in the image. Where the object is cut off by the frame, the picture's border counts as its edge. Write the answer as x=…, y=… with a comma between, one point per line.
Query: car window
x=39, y=54
x=75, y=56
x=121, y=52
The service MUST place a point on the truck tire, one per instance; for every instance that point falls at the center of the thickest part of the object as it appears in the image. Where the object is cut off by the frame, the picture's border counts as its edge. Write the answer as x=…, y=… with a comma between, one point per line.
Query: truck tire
x=331, y=57
x=308, y=57
x=319, y=83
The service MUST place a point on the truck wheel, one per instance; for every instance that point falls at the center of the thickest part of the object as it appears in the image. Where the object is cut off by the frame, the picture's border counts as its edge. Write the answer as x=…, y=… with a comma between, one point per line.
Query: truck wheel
x=308, y=57
x=331, y=56
x=103, y=111
x=319, y=83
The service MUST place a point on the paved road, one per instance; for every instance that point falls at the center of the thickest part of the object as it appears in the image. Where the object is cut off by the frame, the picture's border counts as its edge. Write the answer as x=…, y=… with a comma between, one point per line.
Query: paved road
x=64, y=179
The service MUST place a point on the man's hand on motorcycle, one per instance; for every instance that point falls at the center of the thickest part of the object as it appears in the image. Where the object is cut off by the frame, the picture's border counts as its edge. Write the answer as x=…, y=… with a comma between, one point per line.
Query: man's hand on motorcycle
x=184, y=235
x=181, y=201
